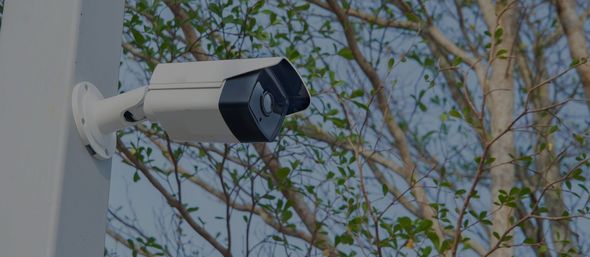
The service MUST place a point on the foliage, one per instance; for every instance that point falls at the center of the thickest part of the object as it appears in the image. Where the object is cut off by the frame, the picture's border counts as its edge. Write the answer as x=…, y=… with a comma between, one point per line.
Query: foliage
x=436, y=128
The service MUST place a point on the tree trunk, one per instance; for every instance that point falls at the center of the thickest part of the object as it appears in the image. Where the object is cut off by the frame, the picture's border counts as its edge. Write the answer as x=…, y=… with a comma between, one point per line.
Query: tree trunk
x=501, y=106
x=547, y=166
x=574, y=30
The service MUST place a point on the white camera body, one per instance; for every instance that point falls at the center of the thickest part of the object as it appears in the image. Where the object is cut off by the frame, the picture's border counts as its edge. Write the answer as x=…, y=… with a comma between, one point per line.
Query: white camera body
x=226, y=101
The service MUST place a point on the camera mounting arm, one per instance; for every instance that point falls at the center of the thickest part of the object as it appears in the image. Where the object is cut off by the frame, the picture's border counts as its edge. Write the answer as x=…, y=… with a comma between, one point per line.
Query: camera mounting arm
x=98, y=118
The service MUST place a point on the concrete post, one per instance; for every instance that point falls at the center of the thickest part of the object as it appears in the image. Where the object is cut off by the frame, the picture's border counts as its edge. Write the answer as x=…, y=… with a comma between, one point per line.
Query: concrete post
x=53, y=194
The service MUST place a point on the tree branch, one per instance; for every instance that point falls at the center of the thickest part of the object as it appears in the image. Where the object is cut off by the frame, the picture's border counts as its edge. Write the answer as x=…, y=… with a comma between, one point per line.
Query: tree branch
x=383, y=105
x=120, y=239
x=260, y=212
x=172, y=200
x=301, y=208
x=193, y=41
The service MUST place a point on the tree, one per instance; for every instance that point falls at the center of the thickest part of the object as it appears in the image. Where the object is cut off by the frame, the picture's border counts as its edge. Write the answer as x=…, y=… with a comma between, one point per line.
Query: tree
x=436, y=128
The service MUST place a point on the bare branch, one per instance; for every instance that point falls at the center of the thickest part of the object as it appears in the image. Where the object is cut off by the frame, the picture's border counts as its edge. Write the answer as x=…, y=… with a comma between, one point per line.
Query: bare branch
x=307, y=215
x=172, y=201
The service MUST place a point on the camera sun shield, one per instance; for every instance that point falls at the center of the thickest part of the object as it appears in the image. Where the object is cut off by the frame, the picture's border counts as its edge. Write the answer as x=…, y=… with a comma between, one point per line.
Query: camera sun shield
x=255, y=104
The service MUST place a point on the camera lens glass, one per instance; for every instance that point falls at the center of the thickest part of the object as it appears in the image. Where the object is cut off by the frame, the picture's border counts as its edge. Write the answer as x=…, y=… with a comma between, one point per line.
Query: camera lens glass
x=267, y=103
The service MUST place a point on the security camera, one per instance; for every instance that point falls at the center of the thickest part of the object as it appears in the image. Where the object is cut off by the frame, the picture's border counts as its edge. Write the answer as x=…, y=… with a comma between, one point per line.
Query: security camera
x=227, y=101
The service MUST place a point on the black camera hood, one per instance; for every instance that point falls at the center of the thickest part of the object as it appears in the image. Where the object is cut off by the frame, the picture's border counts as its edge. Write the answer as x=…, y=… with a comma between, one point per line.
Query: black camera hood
x=245, y=97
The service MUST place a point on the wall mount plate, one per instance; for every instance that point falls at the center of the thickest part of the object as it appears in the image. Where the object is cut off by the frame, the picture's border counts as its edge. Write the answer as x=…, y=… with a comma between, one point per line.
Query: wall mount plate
x=84, y=99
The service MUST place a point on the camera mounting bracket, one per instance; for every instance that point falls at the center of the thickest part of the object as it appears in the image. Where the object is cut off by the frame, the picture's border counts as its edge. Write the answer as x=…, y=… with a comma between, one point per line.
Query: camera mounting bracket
x=85, y=97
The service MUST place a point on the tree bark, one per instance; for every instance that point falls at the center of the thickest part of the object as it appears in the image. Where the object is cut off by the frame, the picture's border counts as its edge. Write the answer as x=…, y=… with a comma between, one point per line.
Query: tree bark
x=574, y=31
x=500, y=101
x=548, y=167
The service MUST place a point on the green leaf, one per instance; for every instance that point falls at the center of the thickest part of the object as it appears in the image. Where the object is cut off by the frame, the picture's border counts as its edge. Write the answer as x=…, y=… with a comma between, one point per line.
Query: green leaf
x=332, y=112
x=303, y=7
x=340, y=123
x=543, y=249
x=138, y=37
x=525, y=158
x=384, y=189
x=498, y=34
x=454, y=113
x=292, y=53
x=346, y=53
x=422, y=107
x=490, y=160
x=357, y=93
x=215, y=8
x=136, y=177
x=361, y=105
x=330, y=175
x=434, y=239
x=496, y=235
x=412, y=17
x=460, y=192
x=283, y=173
x=577, y=175
x=579, y=139
x=390, y=64
x=286, y=215
x=506, y=238
x=457, y=61
x=344, y=239
x=502, y=53
x=574, y=62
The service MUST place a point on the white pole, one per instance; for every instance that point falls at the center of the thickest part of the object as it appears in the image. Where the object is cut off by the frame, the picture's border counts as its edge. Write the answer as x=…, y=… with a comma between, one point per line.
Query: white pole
x=53, y=194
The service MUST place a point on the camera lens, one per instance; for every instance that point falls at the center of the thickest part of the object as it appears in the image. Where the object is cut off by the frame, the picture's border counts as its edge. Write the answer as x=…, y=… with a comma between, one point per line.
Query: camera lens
x=267, y=103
